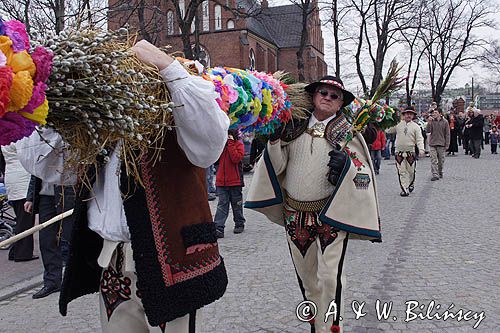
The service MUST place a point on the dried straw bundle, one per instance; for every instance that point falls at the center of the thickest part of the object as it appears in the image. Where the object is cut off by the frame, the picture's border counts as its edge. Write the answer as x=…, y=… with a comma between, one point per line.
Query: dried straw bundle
x=100, y=93
x=300, y=99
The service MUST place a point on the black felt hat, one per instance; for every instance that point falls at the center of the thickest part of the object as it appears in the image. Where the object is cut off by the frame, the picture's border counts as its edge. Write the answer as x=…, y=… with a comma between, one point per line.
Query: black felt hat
x=409, y=109
x=334, y=82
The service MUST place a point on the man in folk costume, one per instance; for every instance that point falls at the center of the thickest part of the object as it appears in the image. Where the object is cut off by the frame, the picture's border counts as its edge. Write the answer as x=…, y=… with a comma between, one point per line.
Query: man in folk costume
x=322, y=194
x=152, y=254
x=408, y=135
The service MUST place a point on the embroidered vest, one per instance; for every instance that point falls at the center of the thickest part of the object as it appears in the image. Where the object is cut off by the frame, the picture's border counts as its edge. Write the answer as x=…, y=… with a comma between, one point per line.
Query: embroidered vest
x=176, y=256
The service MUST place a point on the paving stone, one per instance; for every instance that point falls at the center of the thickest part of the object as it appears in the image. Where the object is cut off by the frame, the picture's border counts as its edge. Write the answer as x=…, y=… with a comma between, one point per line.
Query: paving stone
x=440, y=243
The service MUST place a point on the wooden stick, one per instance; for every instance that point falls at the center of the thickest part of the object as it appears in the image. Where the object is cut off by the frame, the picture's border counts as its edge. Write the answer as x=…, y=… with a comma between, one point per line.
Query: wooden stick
x=36, y=228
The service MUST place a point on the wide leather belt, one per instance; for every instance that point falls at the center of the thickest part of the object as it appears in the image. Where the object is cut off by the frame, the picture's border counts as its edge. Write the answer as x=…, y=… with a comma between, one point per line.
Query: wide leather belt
x=306, y=206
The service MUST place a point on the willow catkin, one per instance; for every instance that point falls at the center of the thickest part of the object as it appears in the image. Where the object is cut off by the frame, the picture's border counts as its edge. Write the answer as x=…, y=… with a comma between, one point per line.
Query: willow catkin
x=100, y=93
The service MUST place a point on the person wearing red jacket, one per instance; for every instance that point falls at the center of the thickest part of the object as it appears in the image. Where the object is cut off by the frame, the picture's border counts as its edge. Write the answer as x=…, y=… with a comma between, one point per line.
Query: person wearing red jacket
x=230, y=184
x=376, y=150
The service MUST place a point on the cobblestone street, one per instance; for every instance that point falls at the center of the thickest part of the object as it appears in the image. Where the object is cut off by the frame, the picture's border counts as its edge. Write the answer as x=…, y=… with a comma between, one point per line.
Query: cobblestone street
x=440, y=244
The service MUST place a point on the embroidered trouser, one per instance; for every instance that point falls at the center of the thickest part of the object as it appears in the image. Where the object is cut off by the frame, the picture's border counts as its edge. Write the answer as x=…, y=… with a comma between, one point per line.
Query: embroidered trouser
x=406, y=165
x=120, y=303
x=318, y=252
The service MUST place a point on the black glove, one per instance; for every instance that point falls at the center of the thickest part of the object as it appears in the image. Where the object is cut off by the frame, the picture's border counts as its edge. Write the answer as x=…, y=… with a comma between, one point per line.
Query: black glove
x=337, y=161
x=277, y=133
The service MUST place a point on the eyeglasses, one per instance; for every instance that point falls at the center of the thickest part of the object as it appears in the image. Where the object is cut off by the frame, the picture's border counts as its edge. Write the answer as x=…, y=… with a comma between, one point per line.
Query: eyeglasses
x=324, y=93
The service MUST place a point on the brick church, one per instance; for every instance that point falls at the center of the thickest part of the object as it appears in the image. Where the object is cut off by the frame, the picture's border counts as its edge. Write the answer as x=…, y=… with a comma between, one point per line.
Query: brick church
x=267, y=41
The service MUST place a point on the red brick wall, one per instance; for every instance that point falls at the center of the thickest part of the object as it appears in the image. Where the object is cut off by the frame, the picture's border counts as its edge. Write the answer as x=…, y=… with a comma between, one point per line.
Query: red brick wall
x=287, y=62
x=226, y=15
x=225, y=47
x=272, y=60
x=265, y=54
x=261, y=58
x=314, y=68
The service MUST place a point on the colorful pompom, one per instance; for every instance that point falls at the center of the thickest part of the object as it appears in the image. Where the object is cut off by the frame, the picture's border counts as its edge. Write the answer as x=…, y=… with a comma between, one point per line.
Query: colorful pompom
x=23, y=103
x=254, y=101
x=21, y=61
x=17, y=33
x=43, y=61
x=20, y=91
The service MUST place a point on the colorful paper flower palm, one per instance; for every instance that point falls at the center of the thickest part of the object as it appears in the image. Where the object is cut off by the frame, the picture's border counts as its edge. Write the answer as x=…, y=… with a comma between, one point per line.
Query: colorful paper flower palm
x=364, y=111
x=254, y=101
x=23, y=77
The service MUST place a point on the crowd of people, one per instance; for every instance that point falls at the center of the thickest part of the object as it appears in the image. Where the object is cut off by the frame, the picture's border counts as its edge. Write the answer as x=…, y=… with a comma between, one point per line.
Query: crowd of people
x=434, y=134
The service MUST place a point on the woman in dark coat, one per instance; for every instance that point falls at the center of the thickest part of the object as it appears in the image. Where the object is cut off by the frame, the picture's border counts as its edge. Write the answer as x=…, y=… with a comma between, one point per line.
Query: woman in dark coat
x=454, y=128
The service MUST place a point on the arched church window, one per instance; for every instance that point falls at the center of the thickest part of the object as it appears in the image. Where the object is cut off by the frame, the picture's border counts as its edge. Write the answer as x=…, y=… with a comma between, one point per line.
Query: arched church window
x=206, y=15
x=182, y=8
x=252, y=60
x=170, y=22
x=218, y=17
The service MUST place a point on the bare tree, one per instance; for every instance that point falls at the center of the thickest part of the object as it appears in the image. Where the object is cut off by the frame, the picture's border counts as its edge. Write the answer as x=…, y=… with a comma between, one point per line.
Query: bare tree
x=336, y=13
x=379, y=24
x=363, y=8
x=144, y=16
x=490, y=59
x=17, y=10
x=450, y=38
x=412, y=38
x=54, y=15
x=307, y=7
x=389, y=17
x=185, y=20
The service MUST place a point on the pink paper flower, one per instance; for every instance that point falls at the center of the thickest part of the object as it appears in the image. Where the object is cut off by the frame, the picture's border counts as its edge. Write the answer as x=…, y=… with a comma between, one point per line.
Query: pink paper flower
x=232, y=95
x=17, y=33
x=43, y=62
x=37, y=98
x=14, y=127
x=3, y=59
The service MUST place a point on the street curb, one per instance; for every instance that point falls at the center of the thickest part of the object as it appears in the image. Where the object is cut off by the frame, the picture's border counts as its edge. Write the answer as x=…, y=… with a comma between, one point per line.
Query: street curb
x=21, y=287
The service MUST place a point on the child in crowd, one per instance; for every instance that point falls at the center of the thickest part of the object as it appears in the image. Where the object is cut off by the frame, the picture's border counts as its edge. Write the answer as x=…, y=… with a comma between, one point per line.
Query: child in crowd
x=376, y=150
x=229, y=182
x=494, y=139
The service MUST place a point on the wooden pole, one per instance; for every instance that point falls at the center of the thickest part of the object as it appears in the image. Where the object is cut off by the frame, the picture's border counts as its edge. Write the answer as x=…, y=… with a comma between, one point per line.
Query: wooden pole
x=36, y=228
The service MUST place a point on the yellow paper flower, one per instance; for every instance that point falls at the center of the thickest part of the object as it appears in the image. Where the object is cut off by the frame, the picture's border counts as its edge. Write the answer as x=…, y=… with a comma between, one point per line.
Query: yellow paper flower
x=257, y=106
x=233, y=119
x=5, y=46
x=20, y=91
x=21, y=61
x=39, y=114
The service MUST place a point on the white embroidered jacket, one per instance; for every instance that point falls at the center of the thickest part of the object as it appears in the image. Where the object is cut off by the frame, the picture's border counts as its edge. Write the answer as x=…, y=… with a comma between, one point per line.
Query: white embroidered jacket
x=352, y=206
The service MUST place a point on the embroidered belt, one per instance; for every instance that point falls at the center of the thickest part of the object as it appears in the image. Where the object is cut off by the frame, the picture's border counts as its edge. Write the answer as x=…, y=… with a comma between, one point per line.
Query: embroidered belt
x=306, y=206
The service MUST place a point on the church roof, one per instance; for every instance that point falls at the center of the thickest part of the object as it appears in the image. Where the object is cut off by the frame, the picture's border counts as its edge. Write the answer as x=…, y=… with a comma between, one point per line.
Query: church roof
x=281, y=25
